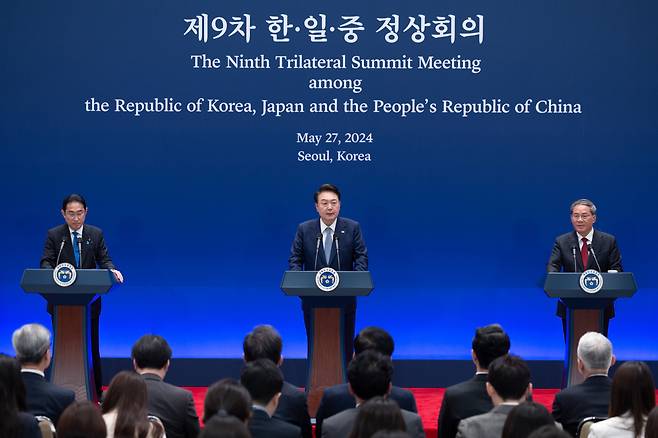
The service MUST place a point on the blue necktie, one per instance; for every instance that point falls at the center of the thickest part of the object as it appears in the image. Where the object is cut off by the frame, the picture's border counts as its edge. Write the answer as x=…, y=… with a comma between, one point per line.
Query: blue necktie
x=76, y=249
x=327, y=243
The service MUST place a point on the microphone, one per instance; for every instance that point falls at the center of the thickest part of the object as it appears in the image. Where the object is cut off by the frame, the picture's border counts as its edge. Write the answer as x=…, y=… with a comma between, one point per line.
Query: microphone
x=80, y=251
x=573, y=251
x=337, y=250
x=317, y=249
x=61, y=247
x=590, y=249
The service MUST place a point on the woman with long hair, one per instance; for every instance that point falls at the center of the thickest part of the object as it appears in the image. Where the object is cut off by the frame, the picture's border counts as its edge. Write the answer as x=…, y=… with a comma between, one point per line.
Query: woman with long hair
x=13, y=422
x=124, y=409
x=81, y=420
x=230, y=396
x=525, y=418
x=632, y=396
x=376, y=414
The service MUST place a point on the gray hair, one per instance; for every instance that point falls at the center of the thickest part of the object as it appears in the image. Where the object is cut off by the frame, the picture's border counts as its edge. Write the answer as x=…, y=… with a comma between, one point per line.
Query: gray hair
x=586, y=203
x=595, y=350
x=31, y=342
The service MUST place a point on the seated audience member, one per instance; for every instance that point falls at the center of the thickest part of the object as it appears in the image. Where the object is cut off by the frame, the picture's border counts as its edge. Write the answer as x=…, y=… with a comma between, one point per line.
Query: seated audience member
x=81, y=420
x=337, y=398
x=592, y=397
x=32, y=345
x=125, y=408
x=549, y=432
x=651, y=429
x=13, y=422
x=470, y=398
x=377, y=414
x=264, y=380
x=369, y=375
x=632, y=396
x=508, y=384
x=264, y=342
x=229, y=396
x=225, y=426
x=390, y=434
x=526, y=418
x=174, y=406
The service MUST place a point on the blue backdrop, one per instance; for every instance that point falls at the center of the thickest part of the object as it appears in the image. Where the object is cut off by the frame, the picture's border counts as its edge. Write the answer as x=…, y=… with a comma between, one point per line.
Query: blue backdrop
x=459, y=213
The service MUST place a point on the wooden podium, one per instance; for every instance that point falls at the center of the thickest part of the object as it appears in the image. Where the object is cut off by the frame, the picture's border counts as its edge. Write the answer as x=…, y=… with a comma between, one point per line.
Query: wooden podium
x=585, y=311
x=72, y=366
x=326, y=361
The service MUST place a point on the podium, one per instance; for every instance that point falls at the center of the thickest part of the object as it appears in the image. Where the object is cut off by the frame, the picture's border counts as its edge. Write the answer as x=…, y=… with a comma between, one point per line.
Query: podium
x=585, y=310
x=72, y=366
x=326, y=361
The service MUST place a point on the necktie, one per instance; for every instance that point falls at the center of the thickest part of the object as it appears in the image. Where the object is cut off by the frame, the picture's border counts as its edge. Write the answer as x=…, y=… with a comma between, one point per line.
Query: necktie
x=584, y=253
x=327, y=243
x=76, y=249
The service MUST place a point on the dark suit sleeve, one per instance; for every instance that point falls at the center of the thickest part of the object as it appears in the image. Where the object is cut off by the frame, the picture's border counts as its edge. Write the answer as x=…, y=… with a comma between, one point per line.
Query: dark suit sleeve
x=191, y=419
x=615, y=257
x=447, y=427
x=321, y=414
x=557, y=410
x=555, y=262
x=49, y=256
x=359, y=250
x=102, y=255
x=295, y=261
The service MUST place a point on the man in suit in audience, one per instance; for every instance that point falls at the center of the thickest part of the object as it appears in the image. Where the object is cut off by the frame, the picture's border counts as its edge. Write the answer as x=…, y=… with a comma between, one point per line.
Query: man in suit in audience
x=264, y=342
x=369, y=375
x=264, y=380
x=508, y=384
x=470, y=398
x=592, y=397
x=151, y=357
x=32, y=345
x=338, y=398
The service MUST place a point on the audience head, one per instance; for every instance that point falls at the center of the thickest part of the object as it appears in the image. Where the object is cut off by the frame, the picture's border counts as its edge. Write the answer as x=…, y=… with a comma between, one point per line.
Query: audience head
x=151, y=352
x=369, y=375
x=127, y=396
x=263, y=342
x=376, y=414
x=391, y=434
x=229, y=396
x=526, y=418
x=12, y=396
x=224, y=426
x=374, y=338
x=508, y=379
x=81, y=420
x=263, y=380
x=651, y=430
x=633, y=390
x=549, y=431
x=594, y=354
x=489, y=343
x=32, y=345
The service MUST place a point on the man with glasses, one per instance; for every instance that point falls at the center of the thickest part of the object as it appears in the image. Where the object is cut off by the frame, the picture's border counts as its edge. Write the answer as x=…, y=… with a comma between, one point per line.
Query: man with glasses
x=584, y=248
x=83, y=246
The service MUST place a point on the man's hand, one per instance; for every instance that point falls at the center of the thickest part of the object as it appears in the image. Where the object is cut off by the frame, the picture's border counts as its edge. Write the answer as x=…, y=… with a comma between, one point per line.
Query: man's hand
x=117, y=275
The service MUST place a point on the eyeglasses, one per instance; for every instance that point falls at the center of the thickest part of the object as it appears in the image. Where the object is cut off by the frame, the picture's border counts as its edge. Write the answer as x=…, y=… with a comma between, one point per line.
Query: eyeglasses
x=74, y=214
x=581, y=216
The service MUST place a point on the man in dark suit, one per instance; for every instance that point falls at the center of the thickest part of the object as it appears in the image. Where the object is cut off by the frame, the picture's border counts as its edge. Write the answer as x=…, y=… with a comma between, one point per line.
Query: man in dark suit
x=264, y=380
x=470, y=398
x=32, y=345
x=264, y=342
x=174, y=406
x=592, y=397
x=508, y=384
x=583, y=249
x=83, y=246
x=338, y=398
x=369, y=375
x=330, y=241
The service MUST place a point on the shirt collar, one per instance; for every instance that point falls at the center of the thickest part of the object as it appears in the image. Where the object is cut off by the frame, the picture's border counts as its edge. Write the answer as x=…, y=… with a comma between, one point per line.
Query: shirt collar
x=588, y=236
x=33, y=371
x=79, y=231
x=324, y=226
x=256, y=407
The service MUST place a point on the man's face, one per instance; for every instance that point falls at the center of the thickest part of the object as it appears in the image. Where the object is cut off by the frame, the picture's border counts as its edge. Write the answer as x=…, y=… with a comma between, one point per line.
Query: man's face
x=74, y=215
x=582, y=219
x=328, y=207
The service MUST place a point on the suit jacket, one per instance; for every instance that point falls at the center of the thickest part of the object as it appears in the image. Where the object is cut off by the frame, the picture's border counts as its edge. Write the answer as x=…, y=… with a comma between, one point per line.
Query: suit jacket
x=293, y=409
x=28, y=426
x=45, y=398
x=588, y=399
x=604, y=246
x=617, y=427
x=262, y=426
x=341, y=424
x=353, y=252
x=173, y=405
x=463, y=400
x=489, y=425
x=94, y=252
x=337, y=398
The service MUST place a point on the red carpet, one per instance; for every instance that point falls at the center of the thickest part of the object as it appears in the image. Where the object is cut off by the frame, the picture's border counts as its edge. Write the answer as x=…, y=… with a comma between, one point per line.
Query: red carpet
x=427, y=399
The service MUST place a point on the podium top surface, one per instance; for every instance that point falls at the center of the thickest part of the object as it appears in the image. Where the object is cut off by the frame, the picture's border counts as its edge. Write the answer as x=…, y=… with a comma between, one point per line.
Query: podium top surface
x=87, y=282
x=351, y=284
x=567, y=285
